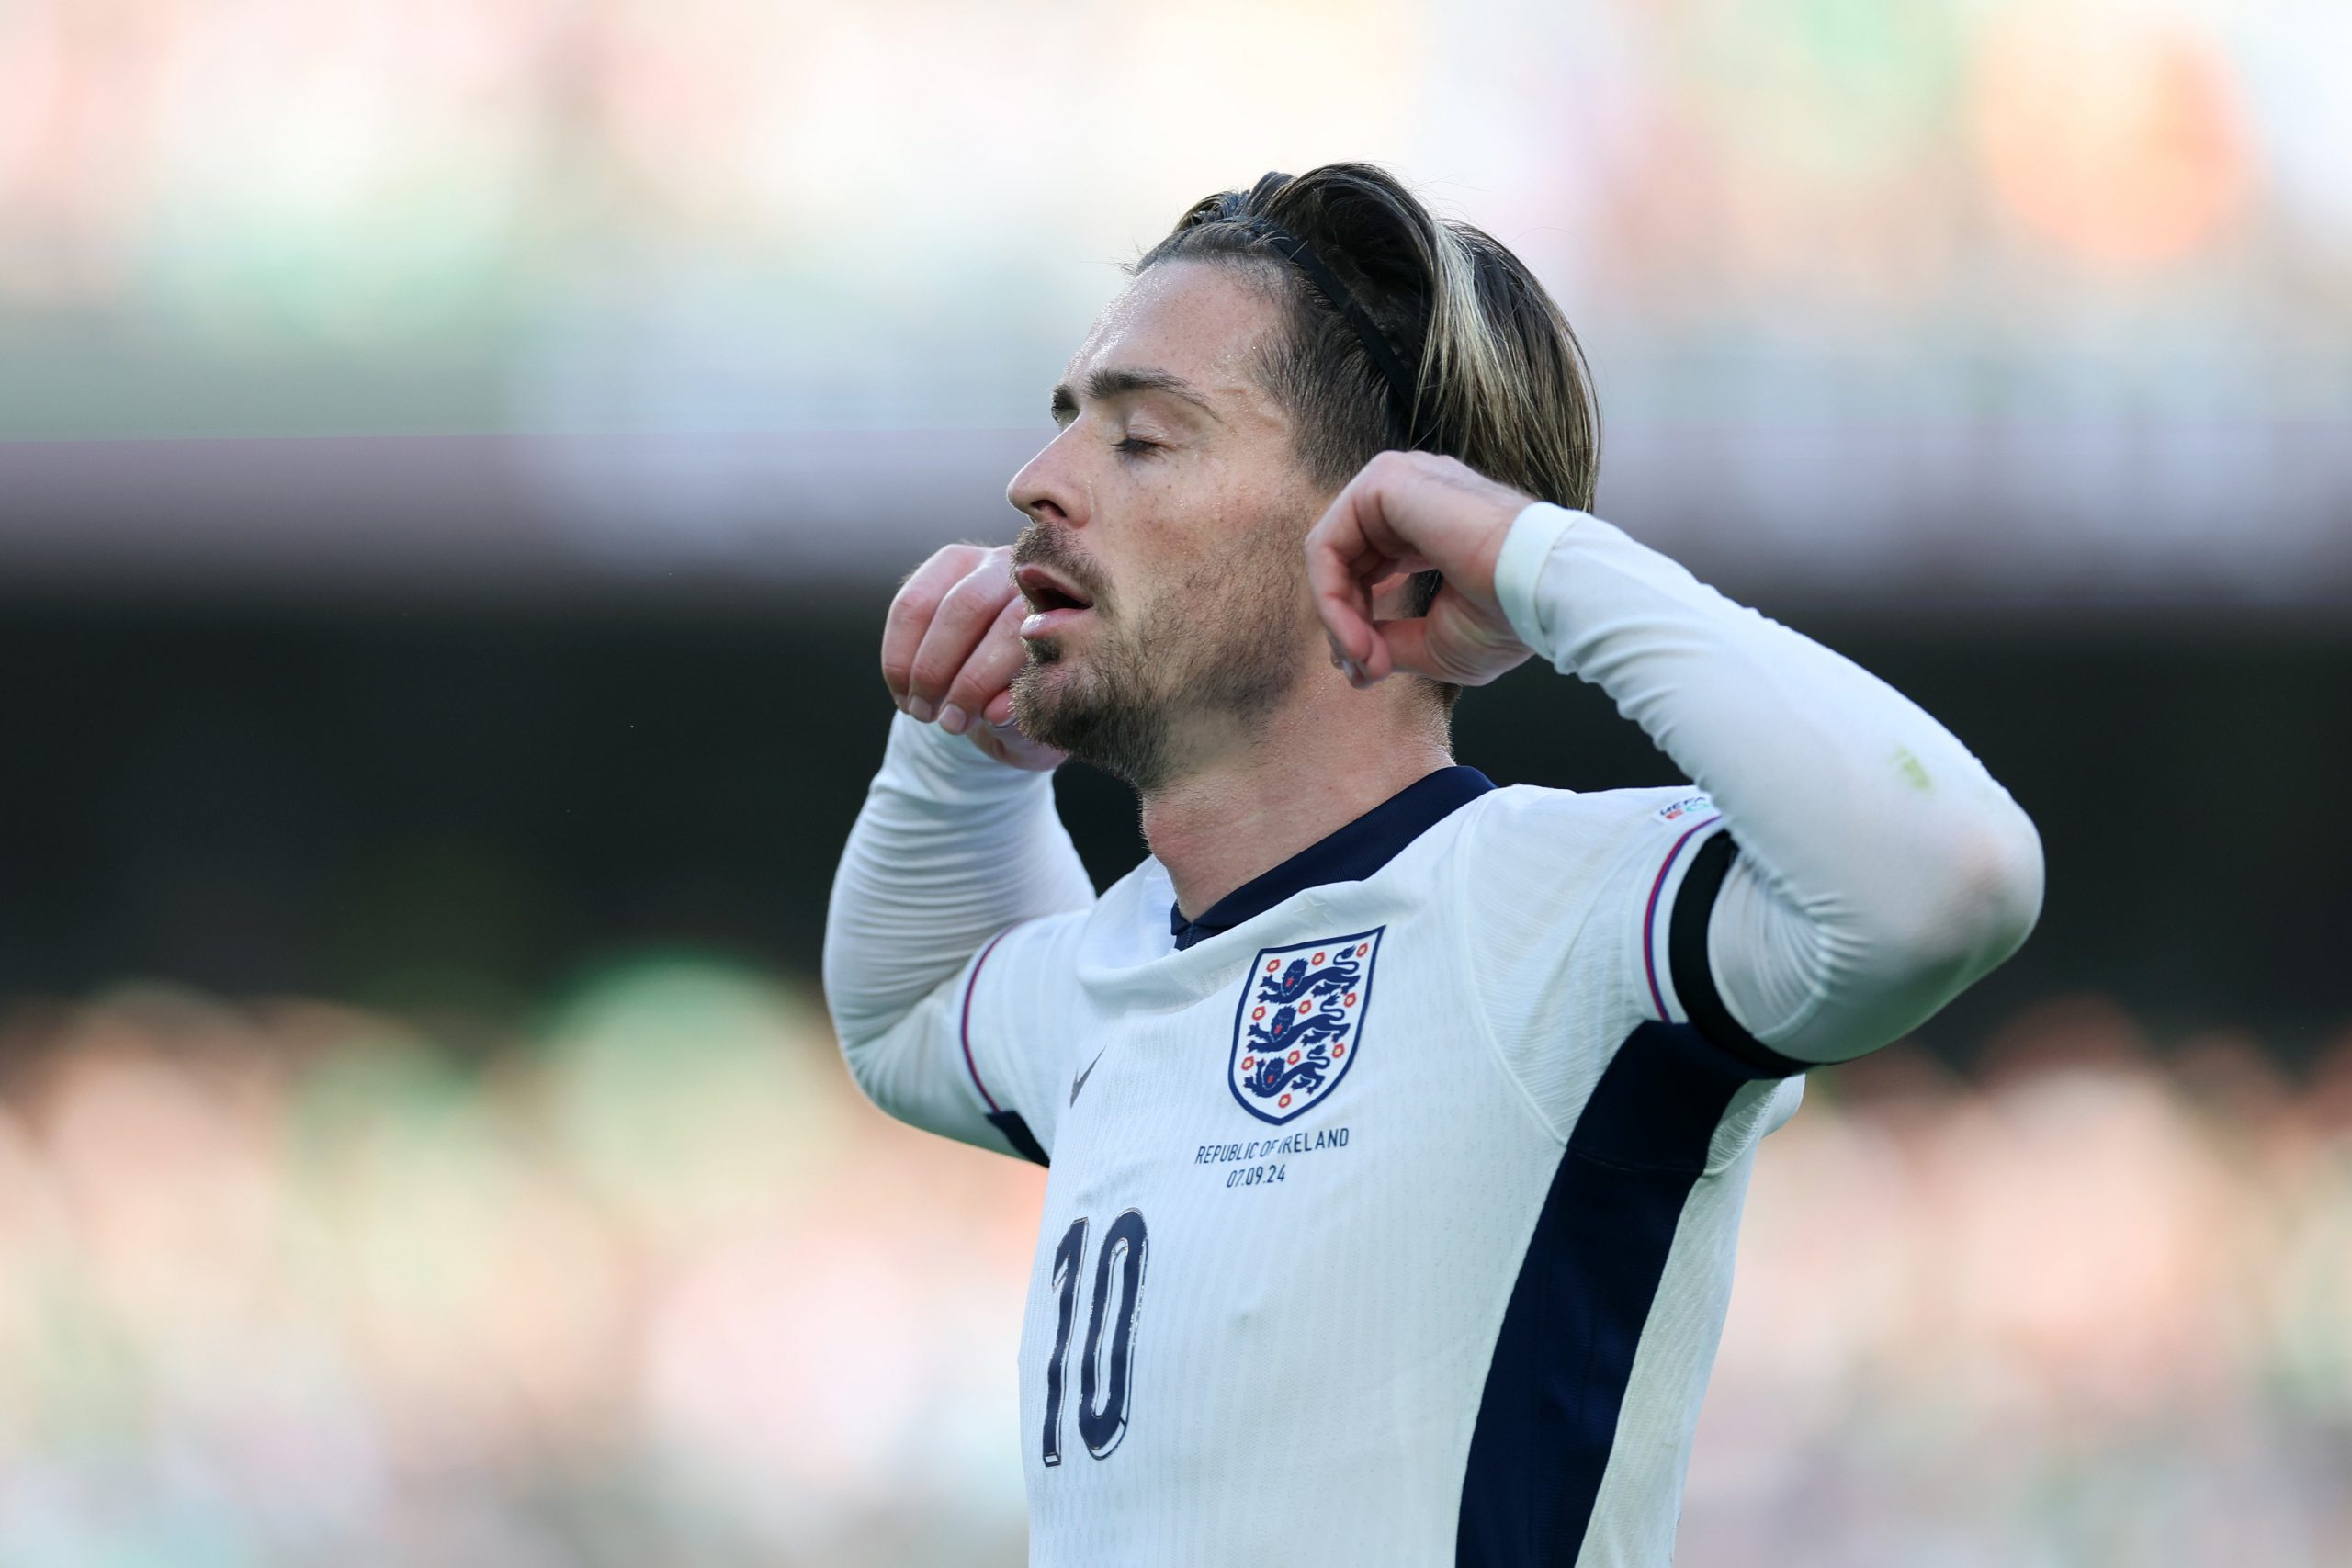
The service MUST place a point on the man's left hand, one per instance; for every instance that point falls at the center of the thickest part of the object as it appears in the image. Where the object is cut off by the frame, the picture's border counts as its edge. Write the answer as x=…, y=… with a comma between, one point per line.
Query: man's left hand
x=1410, y=512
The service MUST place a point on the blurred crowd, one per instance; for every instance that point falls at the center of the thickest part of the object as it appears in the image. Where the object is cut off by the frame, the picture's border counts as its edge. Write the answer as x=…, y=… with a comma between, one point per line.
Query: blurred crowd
x=2038, y=301
x=287, y=1283
x=2092, y=1305
x=643, y=1280
x=2132, y=180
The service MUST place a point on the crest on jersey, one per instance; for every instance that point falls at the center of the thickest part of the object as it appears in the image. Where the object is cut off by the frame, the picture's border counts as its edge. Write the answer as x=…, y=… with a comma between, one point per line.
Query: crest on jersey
x=1301, y=1020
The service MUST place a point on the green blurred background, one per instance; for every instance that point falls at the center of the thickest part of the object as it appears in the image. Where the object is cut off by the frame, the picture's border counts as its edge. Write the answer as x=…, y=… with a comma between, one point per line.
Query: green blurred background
x=453, y=460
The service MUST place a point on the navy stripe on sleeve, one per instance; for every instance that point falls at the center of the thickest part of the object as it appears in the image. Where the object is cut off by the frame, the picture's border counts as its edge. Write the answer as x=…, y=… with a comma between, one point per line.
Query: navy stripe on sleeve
x=1009, y=1122
x=1016, y=1132
x=1694, y=978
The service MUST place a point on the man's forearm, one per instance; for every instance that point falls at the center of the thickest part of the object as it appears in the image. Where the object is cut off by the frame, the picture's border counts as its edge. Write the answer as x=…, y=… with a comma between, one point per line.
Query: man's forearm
x=949, y=848
x=1884, y=868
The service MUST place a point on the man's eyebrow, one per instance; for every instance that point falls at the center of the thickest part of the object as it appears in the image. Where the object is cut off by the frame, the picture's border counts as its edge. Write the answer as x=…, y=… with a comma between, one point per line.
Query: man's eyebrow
x=1111, y=382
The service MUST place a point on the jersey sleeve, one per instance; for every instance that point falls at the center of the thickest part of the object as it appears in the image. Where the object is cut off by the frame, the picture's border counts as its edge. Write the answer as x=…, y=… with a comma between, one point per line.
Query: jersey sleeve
x=1582, y=916
x=1879, y=868
x=978, y=1059
x=956, y=872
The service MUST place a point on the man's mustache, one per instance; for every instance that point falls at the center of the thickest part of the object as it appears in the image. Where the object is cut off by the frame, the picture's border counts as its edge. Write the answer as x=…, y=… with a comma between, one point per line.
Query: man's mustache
x=1040, y=545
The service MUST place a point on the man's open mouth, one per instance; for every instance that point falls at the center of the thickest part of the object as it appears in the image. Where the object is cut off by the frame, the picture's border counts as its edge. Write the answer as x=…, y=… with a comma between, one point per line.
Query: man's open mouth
x=1048, y=591
x=1054, y=601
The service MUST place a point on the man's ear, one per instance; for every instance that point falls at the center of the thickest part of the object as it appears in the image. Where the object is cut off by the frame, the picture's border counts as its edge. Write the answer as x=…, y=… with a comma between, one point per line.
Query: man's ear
x=1393, y=599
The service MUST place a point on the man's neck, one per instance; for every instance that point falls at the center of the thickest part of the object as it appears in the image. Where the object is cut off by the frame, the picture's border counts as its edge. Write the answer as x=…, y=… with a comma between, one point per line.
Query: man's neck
x=1245, y=810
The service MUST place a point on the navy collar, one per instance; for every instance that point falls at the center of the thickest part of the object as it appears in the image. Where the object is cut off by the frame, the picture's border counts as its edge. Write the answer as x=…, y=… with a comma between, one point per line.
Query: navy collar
x=1348, y=854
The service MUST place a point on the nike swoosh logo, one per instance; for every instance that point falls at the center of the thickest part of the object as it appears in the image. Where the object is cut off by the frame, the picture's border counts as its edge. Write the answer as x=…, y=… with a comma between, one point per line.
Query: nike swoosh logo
x=1080, y=1082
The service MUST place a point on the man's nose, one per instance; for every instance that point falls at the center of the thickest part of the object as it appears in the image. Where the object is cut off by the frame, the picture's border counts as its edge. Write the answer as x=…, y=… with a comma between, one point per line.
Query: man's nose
x=1044, y=490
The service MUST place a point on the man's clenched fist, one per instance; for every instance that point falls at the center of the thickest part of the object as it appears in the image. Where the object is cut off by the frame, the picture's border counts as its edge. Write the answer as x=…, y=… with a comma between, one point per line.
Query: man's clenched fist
x=1409, y=512
x=952, y=645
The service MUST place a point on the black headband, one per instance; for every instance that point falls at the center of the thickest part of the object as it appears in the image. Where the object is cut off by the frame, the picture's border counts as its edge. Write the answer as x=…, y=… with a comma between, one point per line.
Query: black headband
x=1404, y=385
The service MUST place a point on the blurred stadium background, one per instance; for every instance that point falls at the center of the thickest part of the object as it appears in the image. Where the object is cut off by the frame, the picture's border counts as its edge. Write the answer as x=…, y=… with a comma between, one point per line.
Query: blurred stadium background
x=453, y=458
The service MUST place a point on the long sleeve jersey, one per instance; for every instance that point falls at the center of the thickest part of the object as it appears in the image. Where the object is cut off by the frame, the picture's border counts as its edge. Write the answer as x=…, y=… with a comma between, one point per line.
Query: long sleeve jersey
x=1393, y=1199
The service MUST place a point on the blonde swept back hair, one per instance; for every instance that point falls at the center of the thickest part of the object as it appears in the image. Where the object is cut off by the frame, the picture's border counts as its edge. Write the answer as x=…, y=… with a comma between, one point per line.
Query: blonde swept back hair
x=1497, y=378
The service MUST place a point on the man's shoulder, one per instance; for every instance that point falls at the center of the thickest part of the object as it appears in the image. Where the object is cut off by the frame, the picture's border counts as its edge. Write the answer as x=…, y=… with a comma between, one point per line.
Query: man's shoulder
x=1598, y=816
x=1126, y=922
x=1526, y=853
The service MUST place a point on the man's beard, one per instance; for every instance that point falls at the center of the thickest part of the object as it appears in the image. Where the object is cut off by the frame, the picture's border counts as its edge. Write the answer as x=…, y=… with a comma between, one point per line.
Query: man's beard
x=1217, y=644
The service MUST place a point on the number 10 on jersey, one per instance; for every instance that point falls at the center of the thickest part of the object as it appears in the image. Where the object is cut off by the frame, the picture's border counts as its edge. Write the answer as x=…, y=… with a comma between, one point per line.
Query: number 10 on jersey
x=1102, y=1381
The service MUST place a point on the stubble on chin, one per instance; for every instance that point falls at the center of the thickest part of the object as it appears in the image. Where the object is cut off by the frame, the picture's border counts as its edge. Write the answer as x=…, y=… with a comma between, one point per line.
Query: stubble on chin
x=1100, y=710
x=1120, y=706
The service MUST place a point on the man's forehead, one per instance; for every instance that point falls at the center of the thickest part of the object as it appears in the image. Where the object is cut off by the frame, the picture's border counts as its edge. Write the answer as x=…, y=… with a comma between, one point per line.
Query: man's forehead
x=1203, y=324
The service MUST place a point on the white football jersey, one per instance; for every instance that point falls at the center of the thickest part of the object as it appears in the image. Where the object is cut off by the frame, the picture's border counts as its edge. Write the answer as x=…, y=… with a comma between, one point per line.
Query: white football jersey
x=1393, y=1202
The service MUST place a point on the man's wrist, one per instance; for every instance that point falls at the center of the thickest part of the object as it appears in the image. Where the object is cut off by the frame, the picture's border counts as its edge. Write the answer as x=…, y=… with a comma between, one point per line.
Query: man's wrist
x=950, y=764
x=1527, y=548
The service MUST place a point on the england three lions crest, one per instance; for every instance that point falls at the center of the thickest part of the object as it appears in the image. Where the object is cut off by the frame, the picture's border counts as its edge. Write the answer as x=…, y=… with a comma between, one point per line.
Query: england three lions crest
x=1300, y=1022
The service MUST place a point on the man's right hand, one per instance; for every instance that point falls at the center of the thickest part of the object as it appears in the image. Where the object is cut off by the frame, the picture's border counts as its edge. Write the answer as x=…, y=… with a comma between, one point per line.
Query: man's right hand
x=952, y=645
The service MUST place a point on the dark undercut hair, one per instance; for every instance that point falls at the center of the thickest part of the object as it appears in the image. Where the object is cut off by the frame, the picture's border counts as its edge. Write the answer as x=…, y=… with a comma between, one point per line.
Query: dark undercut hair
x=1496, y=377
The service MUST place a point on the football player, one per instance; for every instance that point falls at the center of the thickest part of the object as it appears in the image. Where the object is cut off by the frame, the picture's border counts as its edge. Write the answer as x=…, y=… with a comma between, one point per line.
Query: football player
x=1398, y=1123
